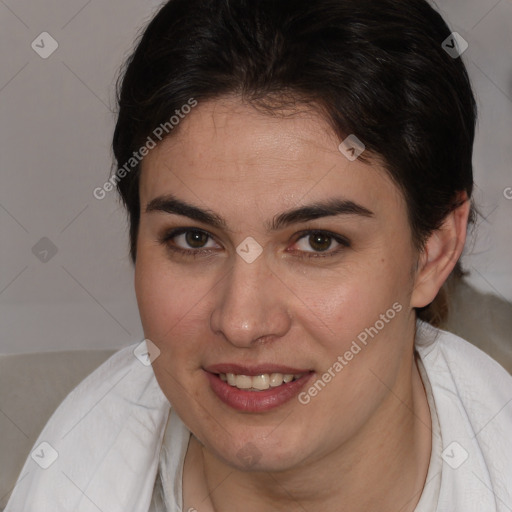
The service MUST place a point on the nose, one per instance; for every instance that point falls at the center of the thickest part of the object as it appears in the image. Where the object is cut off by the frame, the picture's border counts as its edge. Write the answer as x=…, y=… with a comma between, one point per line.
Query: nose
x=251, y=306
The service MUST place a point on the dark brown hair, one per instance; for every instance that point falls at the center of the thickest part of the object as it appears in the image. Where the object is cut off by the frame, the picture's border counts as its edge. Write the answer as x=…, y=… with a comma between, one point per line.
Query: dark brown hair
x=374, y=69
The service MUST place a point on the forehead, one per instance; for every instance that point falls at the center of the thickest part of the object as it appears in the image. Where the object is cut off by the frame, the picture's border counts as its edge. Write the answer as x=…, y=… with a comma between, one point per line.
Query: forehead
x=227, y=149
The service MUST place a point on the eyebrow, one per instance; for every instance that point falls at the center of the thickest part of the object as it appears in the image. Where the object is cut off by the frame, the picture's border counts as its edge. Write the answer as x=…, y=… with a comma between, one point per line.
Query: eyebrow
x=329, y=208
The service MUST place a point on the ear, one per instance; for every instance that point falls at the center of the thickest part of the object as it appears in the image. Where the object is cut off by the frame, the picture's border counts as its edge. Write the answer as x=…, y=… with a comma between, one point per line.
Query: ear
x=440, y=254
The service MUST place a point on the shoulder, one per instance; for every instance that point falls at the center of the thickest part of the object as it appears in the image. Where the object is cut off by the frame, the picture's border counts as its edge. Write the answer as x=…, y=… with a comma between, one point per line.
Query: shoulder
x=126, y=377
x=438, y=345
x=463, y=368
x=112, y=422
x=122, y=386
x=473, y=398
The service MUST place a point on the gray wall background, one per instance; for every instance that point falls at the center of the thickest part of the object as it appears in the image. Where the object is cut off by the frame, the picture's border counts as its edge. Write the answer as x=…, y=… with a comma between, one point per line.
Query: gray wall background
x=65, y=275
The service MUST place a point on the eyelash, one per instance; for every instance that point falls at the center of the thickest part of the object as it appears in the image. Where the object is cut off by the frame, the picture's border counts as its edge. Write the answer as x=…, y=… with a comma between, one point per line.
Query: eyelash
x=196, y=253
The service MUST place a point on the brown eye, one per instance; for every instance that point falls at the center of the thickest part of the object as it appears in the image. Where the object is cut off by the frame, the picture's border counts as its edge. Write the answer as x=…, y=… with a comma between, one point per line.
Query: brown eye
x=189, y=241
x=320, y=241
x=196, y=239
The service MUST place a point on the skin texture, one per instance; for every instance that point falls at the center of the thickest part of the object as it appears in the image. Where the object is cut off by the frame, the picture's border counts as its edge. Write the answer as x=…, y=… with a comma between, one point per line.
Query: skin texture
x=363, y=443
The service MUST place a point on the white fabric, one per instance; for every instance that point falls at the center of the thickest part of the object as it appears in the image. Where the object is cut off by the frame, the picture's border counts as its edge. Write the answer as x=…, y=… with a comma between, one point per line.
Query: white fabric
x=109, y=435
x=168, y=497
x=473, y=397
x=430, y=495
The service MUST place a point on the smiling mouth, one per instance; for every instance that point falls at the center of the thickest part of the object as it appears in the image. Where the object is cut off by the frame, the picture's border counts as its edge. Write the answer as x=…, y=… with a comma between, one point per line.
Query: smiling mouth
x=258, y=382
x=261, y=391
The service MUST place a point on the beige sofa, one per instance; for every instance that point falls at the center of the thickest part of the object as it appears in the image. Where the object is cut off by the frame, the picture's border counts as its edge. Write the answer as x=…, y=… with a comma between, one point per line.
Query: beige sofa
x=33, y=385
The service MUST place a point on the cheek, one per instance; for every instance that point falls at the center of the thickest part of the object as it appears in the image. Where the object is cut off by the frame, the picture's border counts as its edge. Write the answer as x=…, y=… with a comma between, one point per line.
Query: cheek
x=344, y=302
x=166, y=298
x=361, y=315
x=173, y=317
x=175, y=306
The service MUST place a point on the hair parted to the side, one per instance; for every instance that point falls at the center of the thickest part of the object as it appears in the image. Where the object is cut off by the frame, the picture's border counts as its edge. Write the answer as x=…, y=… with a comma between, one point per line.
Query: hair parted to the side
x=373, y=69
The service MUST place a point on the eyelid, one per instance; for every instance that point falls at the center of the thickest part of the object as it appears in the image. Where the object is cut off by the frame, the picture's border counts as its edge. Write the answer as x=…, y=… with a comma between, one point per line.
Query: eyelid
x=175, y=232
x=343, y=242
x=339, y=238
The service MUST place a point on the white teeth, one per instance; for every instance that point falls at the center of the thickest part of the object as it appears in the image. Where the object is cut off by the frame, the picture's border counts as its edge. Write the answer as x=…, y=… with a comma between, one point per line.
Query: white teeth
x=261, y=382
x=243, y=382
x=276, y=379
x=258, y=382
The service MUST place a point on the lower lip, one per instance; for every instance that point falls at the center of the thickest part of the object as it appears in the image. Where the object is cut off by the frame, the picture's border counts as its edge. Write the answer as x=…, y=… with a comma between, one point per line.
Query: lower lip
x=256, y=401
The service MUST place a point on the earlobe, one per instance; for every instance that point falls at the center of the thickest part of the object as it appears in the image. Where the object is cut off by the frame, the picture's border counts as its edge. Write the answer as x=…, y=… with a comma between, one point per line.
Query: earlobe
x=440, y=254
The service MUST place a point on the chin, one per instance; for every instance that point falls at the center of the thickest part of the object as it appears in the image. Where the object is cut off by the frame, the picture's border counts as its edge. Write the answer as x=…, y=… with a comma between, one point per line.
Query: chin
x=256, y=454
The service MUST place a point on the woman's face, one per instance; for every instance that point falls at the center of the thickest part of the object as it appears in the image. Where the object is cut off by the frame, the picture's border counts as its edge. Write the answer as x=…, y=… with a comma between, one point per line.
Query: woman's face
x=263, y=250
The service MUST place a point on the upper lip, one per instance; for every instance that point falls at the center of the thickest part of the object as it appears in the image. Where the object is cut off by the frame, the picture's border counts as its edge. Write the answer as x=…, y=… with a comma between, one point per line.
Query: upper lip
x=253, y=370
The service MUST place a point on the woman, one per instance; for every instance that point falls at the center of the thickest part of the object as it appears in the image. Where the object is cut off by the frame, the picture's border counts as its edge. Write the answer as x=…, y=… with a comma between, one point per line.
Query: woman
x=298, y=181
